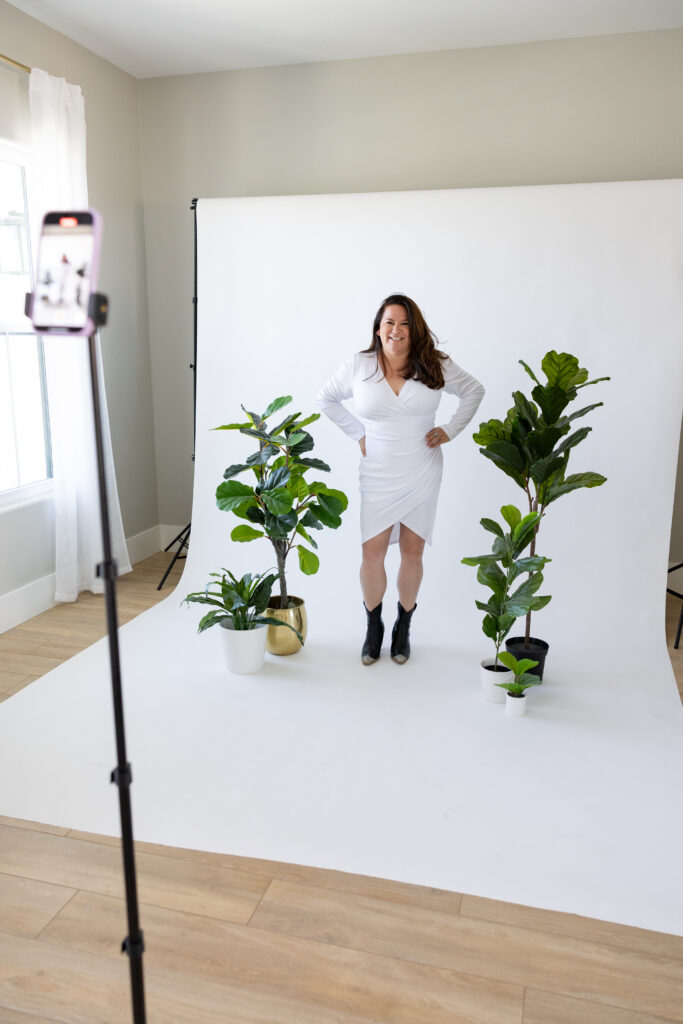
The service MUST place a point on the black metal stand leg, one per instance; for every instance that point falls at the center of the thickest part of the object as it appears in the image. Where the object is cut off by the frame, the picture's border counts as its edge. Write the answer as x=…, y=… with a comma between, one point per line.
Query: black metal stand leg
x=133, y=944
x=182, y=540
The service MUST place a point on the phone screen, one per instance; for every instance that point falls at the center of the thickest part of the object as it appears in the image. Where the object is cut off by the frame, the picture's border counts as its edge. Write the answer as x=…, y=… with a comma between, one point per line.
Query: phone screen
x=63, y=279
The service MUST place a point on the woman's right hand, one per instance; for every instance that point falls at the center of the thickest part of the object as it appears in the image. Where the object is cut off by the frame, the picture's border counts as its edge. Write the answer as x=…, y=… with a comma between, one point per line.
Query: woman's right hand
x=362, y=445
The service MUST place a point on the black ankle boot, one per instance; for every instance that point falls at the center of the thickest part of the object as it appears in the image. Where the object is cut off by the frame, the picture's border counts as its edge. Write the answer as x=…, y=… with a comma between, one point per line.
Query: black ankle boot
x=373, y=636
x=400, y=635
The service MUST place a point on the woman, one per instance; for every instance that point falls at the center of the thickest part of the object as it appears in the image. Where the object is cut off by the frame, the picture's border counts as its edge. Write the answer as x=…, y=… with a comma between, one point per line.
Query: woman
x=396, y=385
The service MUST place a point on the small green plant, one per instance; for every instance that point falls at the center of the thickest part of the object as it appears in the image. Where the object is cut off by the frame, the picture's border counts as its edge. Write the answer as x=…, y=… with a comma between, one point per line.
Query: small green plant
x=500, y=569
x=242, y=602
x=281, y=504
x=523, y=677
x=533, y=443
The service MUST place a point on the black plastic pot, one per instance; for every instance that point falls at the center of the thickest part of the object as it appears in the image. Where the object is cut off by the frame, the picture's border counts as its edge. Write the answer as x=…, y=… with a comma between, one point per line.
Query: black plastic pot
x=536, y=650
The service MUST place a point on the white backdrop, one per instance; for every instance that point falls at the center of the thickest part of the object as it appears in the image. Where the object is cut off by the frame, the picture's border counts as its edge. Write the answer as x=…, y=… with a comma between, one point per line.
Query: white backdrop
x=404, y=772
x=288, y=288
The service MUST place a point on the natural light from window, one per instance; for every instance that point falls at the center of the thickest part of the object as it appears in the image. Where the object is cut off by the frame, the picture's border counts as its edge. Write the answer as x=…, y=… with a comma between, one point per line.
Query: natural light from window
x=24, y=451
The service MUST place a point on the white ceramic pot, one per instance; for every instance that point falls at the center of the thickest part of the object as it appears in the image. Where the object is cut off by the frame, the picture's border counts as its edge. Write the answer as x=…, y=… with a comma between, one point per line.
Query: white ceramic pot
x=245, y=649
x=489, y=690
x=515, y=707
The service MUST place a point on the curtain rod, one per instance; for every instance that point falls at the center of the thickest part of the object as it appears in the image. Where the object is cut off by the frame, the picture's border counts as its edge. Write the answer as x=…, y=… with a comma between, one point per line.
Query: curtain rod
x=14, y=63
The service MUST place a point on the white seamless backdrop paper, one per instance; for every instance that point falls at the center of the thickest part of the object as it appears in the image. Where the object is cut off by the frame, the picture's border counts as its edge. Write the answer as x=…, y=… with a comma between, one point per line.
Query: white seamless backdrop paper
x=403, y=772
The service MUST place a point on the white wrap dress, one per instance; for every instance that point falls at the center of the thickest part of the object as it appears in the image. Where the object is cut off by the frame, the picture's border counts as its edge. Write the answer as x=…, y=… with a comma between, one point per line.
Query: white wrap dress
x=400, y=475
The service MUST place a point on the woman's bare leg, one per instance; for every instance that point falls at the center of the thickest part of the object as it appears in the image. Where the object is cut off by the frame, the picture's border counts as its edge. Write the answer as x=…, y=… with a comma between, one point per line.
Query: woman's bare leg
x=373, y=578
x=410, y=572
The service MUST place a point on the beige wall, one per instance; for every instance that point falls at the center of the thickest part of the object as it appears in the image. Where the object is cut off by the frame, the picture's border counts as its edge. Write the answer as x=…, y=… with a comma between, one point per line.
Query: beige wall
x=115, y=189
x=599, y=109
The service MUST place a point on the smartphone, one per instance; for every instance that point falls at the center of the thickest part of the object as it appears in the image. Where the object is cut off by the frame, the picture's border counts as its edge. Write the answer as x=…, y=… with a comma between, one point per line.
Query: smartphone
x=66, y=275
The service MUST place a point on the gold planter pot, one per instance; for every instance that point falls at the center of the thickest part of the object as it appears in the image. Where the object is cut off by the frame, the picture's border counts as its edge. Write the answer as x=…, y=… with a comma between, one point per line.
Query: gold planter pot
x=281, y=640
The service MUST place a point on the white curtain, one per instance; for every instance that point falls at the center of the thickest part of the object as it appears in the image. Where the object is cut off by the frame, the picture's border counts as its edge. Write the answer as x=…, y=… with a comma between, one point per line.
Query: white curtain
x=59, y=183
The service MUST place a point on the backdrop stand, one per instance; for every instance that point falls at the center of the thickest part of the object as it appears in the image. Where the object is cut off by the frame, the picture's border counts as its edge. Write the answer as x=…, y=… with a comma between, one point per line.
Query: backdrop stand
x=676, y=594
x=183, y=538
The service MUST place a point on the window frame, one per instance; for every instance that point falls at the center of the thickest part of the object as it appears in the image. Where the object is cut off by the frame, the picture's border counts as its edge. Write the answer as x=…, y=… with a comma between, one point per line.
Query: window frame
x=40, y=490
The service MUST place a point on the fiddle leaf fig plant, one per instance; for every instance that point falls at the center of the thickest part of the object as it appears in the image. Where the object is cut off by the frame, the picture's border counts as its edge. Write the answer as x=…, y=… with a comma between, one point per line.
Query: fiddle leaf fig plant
x=523, y=678
x=499, y=570
x=280, y=503
x=533, y=444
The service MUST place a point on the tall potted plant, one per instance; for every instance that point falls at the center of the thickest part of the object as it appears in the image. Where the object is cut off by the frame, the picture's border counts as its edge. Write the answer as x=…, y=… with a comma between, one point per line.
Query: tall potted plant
x=281, y=504
x=532, y=446
x=238, y=606
x=498, y=571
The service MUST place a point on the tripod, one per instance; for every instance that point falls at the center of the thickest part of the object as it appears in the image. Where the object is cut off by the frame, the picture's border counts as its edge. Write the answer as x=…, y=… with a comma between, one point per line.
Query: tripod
x=675, y=593
x=183, y=538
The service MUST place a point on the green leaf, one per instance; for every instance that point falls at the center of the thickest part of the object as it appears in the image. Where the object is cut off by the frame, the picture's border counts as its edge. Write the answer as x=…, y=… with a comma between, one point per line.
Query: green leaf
x=490, y=627
x=481, y=560
x=518, y=477
x=231, y=426
x=491, y=430
x=279, y=527
x=311, y=520
x=492, y=576
x=330, y=504
x=276, y=404
x=295, y=438
x=278, y=501
x=269, y=620
x=541, y=442
x=571, y=483
x=539, y=602
x=309, y=419
x=543, y=469
x=255, y=514
x=306, y=444
x=244, y=533
x=255, y=419
x=298, y=488
x=572, y=440
x=313, y=464
x=551, y=401
x=278, y=478
x=282, y=427
x=597, y=380
x=231, y=494
x=330, y=519
x=580, y=412
x=252, y=432
x=309, y=563
x=211, y=619
x=316, y=487
x=302, y=533
x=526, y=409
x=261, y=595
x=511, y=515
x=261, y=457
x=492, y=526
x=530, y=371
x=234, y=470
x=562, y=370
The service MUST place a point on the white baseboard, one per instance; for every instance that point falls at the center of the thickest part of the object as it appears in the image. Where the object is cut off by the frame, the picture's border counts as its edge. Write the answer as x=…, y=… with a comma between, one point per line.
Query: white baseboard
x=169, y=533
x=27, y=601
x=144, y=544
x=33, y=598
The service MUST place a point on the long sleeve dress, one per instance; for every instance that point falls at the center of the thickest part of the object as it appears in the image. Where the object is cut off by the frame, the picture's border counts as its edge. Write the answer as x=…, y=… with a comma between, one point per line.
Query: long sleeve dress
x=400, y=475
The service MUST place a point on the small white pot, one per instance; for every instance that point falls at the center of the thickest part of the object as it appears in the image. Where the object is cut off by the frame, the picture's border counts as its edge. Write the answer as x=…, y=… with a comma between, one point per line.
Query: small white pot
x=489, y=690
x=515, y=707
x=245, y=649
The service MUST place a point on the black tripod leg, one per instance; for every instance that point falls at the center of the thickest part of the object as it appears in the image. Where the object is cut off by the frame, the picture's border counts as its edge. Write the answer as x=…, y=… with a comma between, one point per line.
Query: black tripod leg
x=678, y=632
x=183, y=538
x=133, y=945
x=176, y=539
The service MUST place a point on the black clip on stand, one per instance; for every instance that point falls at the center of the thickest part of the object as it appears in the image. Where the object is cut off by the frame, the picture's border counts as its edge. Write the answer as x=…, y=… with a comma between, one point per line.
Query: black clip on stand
x=133, y=944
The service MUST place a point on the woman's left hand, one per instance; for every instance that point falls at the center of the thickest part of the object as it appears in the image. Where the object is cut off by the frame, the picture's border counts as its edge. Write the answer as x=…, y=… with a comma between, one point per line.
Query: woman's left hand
x=435, y=437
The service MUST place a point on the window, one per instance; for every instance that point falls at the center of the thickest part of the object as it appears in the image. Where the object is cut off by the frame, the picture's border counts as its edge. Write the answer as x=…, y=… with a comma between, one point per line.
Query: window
x=24, y=440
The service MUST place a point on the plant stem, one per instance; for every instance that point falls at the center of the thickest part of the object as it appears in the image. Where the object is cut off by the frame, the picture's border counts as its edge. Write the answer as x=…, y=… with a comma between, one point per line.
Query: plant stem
x=281, y=554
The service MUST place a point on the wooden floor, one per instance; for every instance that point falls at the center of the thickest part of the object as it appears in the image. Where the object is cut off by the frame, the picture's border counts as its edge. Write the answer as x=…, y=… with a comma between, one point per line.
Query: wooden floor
x=237, y=941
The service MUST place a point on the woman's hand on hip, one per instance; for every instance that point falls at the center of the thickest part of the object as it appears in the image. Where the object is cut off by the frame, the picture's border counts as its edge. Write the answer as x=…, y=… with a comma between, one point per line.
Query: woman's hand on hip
x=435, y=437
x=361, y=442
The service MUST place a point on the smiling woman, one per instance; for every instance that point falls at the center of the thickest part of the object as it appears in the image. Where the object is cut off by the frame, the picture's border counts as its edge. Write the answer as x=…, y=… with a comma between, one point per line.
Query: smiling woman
x=396, y=384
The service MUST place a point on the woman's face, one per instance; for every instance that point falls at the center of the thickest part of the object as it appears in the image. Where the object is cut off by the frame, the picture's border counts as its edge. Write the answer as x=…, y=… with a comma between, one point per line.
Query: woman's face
x=394, y=333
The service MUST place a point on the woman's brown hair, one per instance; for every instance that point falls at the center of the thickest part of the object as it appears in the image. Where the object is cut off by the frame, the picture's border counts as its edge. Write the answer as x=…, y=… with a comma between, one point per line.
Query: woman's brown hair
x=424, y=359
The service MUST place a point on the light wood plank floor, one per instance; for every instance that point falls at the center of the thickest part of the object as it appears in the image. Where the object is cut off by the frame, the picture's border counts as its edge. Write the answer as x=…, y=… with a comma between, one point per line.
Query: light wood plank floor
x=237, y=941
